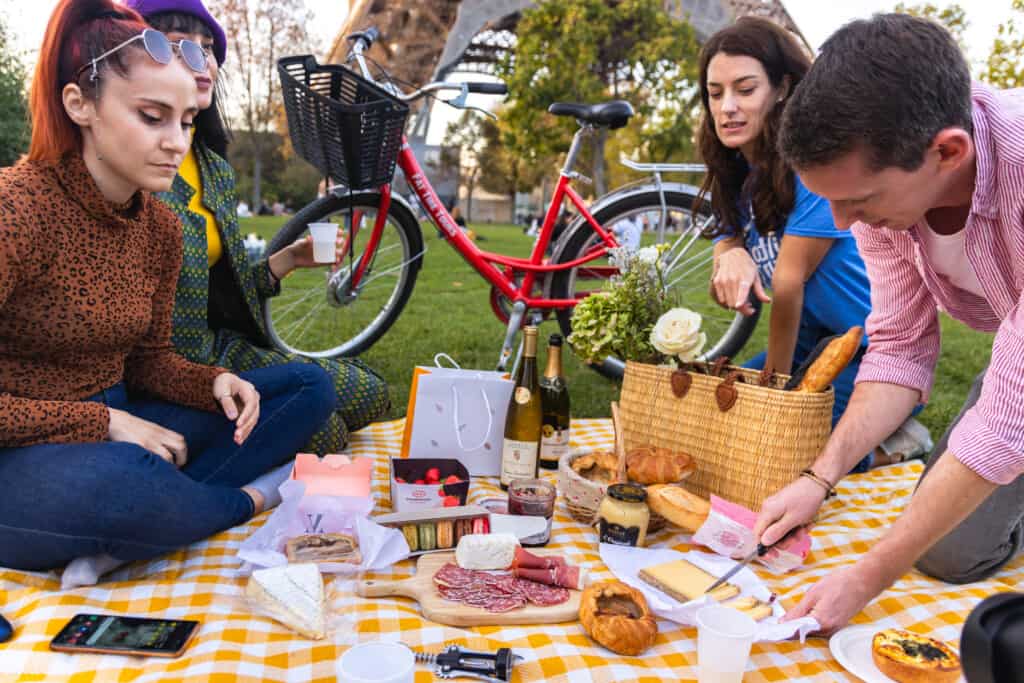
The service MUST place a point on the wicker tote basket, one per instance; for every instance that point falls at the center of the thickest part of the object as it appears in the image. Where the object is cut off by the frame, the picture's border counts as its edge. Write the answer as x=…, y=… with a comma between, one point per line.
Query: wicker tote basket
x=748, y=440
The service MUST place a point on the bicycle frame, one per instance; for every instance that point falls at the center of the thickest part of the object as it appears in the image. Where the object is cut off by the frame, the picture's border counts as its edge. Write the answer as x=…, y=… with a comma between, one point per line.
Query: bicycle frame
x=487, y=263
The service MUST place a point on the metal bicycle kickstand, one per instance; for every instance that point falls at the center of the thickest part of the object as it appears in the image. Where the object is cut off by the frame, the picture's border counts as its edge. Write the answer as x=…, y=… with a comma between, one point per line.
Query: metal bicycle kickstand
x=454, y=662
x=515, y=321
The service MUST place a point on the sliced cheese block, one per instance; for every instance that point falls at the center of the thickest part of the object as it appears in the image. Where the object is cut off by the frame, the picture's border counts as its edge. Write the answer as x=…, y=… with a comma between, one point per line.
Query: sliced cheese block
x=752, y=607
x=486, y=551
x=685, y=581
x=292, y=594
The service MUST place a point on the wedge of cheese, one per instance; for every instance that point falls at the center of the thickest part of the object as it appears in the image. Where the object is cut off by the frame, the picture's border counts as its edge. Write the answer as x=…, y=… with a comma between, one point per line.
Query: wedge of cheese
x=752, y=607
x=292, y=594
x=685, y=581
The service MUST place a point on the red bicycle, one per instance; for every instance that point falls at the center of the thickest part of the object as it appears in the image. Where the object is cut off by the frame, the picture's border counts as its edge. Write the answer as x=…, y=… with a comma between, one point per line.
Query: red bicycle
x=344, y=313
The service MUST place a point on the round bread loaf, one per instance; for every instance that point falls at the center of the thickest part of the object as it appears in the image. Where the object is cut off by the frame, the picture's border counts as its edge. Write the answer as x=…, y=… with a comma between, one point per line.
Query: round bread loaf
x=680, y=507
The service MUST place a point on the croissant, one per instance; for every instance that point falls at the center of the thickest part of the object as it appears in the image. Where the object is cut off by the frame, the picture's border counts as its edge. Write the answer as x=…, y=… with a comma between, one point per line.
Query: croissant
x=617, y=616
x=600, y=467
x=836, y=356
x=652, y=465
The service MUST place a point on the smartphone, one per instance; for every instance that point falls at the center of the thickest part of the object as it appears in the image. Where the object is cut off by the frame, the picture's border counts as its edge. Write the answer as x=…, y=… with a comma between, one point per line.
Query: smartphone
x=106, y=633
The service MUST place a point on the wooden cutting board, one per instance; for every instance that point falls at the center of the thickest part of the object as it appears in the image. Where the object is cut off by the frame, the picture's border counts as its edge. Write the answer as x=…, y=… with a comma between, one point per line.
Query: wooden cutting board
x=435, y=608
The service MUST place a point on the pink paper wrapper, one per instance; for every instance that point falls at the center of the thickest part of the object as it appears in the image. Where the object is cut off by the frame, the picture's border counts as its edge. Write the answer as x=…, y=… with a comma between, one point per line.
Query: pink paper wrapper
x=729, y=531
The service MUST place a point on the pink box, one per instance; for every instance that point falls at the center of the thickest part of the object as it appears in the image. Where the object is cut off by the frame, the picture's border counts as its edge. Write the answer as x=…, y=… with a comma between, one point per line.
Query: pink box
x=334, y=475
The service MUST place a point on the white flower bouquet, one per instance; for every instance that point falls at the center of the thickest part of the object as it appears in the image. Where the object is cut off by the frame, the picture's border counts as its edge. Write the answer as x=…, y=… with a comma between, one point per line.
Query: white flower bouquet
x=633, y=318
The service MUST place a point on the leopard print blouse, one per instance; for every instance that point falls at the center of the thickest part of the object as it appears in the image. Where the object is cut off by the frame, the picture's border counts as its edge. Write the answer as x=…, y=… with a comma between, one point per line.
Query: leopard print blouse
x=86, y=293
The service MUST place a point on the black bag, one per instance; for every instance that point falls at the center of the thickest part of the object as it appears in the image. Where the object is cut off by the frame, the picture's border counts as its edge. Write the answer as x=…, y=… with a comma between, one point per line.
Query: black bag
x=992, y=642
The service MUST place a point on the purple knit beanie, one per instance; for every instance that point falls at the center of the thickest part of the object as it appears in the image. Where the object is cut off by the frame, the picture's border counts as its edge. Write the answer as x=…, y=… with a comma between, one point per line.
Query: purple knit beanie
x=148, y=8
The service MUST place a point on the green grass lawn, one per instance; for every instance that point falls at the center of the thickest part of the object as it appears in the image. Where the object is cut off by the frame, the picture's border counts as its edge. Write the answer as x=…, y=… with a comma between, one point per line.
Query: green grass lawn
x=450, y=312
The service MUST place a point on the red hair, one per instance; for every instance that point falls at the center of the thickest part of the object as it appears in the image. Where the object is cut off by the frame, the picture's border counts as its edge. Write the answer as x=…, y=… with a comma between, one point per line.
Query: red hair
x=78, y=30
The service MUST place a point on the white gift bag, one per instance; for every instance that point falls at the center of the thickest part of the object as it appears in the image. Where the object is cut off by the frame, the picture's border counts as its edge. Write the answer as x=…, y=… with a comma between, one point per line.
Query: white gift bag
x=457, y=413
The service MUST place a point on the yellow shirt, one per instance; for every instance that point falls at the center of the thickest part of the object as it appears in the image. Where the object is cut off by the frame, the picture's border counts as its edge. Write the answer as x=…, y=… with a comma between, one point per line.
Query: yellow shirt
x=190, y=173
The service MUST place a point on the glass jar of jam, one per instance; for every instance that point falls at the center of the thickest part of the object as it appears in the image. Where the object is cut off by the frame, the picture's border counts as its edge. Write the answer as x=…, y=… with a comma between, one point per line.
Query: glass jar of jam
x=535, y=498
x=623, y=515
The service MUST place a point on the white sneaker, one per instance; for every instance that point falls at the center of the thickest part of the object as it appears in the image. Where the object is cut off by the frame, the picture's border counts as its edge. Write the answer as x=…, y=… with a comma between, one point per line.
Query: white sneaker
x=911, y=440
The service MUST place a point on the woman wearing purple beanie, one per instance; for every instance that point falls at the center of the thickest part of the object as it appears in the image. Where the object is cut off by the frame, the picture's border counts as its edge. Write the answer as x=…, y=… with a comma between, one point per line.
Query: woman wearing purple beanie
x=217, y=311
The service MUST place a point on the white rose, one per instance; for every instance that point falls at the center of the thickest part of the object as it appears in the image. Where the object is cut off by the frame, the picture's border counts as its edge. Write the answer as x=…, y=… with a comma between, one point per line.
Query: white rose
x=648, y=255
x=677, y=333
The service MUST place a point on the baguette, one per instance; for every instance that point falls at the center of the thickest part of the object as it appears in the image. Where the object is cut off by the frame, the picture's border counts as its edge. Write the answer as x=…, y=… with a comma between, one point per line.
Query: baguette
x=682, y=508
x=832, y=361
x=324, y=548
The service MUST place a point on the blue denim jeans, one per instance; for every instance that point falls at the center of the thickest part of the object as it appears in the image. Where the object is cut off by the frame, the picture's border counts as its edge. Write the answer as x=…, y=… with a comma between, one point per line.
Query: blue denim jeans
x=63, y=501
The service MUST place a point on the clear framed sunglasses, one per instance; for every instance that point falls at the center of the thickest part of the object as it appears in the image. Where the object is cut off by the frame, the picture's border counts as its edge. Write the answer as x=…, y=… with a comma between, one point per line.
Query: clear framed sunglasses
x=159, y=48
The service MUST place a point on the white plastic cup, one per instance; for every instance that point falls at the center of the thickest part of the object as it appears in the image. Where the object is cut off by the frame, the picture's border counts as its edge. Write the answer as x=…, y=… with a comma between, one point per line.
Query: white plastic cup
x=325, y=237
x=724, y=637
x=377, y=662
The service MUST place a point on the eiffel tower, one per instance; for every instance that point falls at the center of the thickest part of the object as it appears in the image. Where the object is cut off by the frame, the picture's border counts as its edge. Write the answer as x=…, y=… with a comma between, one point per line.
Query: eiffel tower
x=425, y=40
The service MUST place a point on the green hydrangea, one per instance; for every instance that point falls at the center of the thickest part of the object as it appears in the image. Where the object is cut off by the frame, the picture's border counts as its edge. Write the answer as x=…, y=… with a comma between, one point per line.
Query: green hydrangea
x=617, y=321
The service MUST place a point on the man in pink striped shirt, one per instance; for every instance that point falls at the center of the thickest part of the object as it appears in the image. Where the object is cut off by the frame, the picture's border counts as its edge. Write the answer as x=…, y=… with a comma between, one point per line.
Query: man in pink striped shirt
x=929, y=172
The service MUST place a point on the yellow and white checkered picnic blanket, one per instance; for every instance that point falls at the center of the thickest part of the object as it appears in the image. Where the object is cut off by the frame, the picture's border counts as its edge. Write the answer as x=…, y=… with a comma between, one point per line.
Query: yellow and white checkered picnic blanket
x=201, y=582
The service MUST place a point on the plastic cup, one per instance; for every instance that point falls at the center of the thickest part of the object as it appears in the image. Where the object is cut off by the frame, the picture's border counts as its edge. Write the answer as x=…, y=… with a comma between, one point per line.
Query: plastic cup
x=724, y=637
x=377, y=662
x=325, y=237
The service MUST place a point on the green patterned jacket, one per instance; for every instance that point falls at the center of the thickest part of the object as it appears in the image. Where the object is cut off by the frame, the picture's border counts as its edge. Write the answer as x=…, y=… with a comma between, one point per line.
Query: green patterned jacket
x=218, y=318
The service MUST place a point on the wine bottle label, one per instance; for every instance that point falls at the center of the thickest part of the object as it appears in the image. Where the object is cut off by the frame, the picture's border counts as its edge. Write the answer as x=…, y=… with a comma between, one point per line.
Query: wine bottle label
x=518, y=460
x=554, y=442
x=522, y=395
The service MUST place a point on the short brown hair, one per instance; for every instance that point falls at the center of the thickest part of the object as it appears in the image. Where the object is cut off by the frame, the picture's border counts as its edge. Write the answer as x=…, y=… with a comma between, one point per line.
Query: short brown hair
x=886, y=85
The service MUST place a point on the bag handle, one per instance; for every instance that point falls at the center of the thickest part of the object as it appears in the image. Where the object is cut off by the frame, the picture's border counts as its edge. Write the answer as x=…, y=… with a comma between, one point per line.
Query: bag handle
x=439, y=356
x=725, y=393
x=455, y=418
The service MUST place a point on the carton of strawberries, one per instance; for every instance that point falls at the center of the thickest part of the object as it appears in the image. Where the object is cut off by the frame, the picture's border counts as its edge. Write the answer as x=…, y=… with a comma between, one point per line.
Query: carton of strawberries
x=423, y=483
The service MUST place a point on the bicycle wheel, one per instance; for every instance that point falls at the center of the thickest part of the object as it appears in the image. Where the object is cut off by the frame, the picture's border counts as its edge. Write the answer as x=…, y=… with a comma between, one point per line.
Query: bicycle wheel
x=318, y=312
x=689, y=260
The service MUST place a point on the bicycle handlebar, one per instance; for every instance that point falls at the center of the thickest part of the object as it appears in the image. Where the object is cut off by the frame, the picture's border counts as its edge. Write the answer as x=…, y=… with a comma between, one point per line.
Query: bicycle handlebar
x=488, y=88
x=367, y=37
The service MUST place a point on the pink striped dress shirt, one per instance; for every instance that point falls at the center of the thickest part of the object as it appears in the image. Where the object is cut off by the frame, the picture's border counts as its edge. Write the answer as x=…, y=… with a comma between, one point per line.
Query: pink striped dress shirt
x=906, y=291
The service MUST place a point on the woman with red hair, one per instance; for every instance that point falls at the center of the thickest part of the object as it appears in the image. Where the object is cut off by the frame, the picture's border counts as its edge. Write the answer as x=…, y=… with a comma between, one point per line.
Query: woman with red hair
x=113, y=447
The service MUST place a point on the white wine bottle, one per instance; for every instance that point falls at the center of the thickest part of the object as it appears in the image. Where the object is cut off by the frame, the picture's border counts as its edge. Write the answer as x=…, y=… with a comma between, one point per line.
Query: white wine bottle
x=521, y=446
x=554, y=401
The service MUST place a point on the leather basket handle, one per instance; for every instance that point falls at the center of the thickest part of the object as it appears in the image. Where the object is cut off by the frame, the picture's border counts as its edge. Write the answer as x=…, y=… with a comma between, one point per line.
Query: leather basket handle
x=725, y=393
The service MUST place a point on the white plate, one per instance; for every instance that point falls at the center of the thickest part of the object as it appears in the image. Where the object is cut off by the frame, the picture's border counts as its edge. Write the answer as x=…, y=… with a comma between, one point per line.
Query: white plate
x=851, y=647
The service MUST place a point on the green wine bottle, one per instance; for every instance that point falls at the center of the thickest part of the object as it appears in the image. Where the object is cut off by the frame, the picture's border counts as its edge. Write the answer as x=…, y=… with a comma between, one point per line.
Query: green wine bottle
x=554, y=401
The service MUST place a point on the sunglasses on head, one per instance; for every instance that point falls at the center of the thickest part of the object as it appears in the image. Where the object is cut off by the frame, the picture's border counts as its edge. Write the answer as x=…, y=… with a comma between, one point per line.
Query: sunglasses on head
x=159, y=48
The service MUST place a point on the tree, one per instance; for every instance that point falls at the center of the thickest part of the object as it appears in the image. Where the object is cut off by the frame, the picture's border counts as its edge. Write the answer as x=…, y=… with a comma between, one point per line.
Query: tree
x=1004, y=68
x=259, y=28
x=13, y=108
x=461, y=146
x=504, y=172
x=592, y=50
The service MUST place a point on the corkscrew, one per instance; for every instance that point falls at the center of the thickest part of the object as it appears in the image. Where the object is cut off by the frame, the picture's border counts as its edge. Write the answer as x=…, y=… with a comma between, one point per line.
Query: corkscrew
x=454, y=662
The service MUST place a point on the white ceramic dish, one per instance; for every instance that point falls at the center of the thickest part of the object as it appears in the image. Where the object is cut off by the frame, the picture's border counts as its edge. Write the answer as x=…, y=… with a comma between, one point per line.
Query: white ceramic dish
x=851, y=647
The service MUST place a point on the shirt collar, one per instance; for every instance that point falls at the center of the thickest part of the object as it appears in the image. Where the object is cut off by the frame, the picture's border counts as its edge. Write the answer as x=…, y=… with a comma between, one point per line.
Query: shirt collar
x=984, y=199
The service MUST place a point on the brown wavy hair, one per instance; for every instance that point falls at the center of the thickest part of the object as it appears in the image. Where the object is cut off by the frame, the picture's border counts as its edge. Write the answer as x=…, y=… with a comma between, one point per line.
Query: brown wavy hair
x=768, y=182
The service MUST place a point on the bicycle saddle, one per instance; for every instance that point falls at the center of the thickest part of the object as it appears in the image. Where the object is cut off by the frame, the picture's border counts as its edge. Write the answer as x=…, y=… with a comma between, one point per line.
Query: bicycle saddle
x=613, y=113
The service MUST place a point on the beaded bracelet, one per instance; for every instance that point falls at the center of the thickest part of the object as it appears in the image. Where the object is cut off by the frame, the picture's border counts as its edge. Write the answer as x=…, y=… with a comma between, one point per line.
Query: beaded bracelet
x=830, y=490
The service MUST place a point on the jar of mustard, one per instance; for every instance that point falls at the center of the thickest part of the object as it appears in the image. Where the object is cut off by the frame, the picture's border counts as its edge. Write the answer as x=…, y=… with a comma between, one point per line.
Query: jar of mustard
x=623, y=515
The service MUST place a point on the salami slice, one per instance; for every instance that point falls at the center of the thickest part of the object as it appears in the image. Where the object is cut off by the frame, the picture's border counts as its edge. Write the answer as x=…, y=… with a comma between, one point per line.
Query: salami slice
x=494, y=592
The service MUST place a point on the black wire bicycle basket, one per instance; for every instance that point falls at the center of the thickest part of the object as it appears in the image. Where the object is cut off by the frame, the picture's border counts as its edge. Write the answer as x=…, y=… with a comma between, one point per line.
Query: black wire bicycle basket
x=347, y=127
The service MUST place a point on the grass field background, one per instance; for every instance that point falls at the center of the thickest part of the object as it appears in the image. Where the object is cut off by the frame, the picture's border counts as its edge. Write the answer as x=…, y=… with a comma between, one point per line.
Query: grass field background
x=450, y=312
